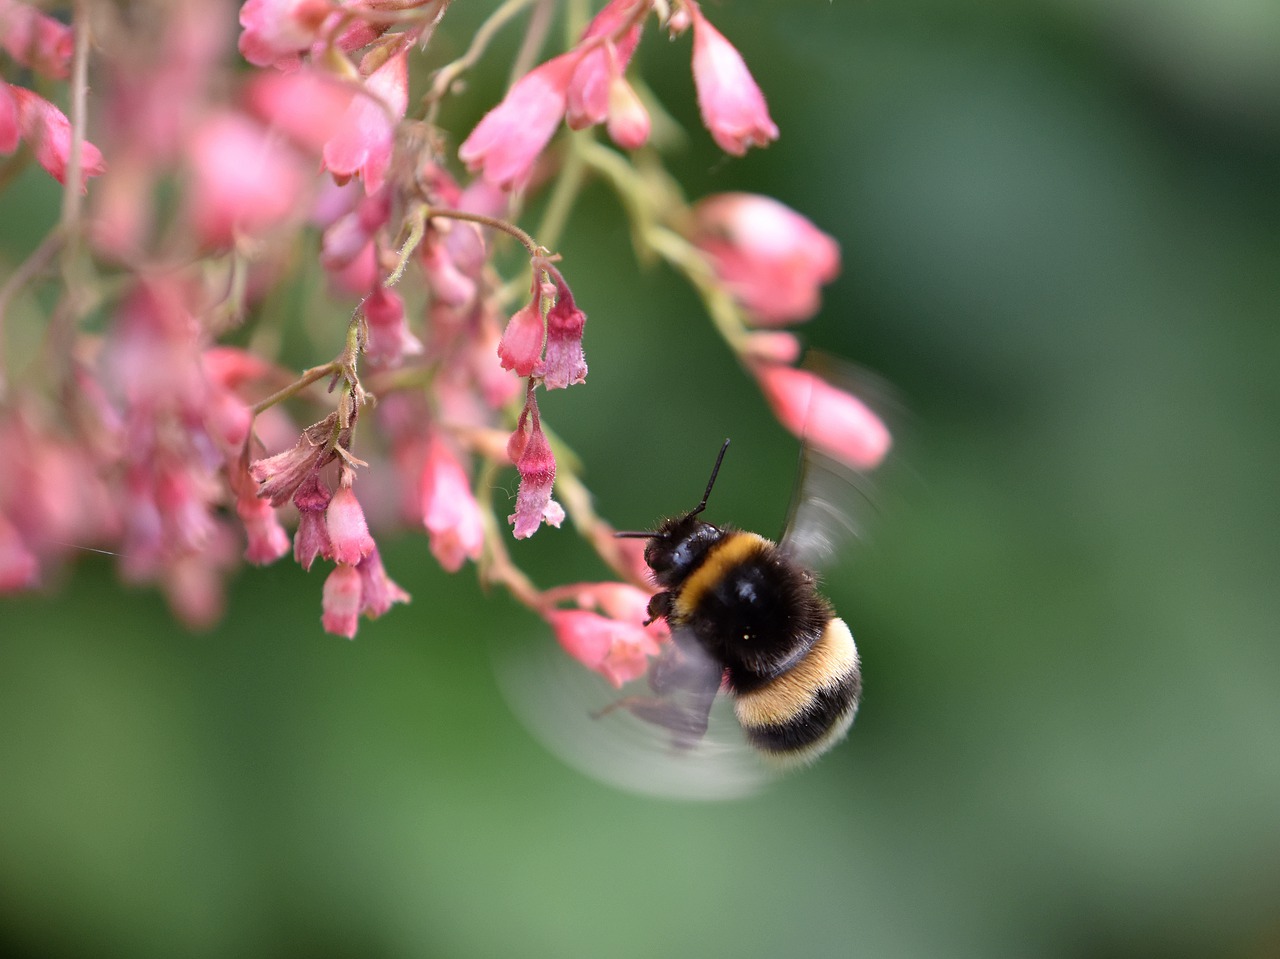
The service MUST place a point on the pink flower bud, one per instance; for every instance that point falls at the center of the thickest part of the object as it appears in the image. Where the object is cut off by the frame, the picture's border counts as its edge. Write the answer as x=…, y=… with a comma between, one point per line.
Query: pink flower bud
x=36, y=40
x=362, y=146
x=276, y=31
x=244, y=181
x=565, y=363
x=771, y=259
x=520, y=348
x=48, y=132
x=629, y=123
x=449, y=510
x=312, y=536
x=345, y=524
x=378, y=591
x=343, y=593
x=267, y=540
x=834, y=422
x=509, y=138
x=389, y=338
x=537, y=468
x=733, y=107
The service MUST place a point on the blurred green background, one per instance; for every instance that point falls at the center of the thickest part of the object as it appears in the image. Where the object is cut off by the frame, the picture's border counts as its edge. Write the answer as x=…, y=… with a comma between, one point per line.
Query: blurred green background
x=1061, y=231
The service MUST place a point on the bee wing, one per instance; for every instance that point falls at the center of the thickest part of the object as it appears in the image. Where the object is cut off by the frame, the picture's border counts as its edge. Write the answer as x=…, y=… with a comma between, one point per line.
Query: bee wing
x=673, y=737
x=832, y=502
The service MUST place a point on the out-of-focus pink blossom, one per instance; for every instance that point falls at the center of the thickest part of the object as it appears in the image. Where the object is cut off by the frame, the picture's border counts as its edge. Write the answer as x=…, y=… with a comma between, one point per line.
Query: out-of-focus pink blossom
x=36, y=40
x=732, y=106
x=378, y=591
x=267, y=540
x=347, y=249
x=509, y=138
x=771, y=259
x=365, y=138
x=48, y=132
x=244, y=181
x=342, y=601
x=449, y=510
x=18, y=567
x=307, y=106
x=598, y=91
x=834, y=422
x=448, y=284
x=348, y=531
x=276, y=31
x=520, y=348
x=389, y=338
x=628, y=123
x=615, y=649
x=565, y=363
x=537, y=467
x=10, y=129
x=771, y=346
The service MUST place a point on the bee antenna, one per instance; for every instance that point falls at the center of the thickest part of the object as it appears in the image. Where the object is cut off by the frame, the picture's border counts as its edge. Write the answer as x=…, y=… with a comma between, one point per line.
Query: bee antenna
x=711, y=482
x=633, y=534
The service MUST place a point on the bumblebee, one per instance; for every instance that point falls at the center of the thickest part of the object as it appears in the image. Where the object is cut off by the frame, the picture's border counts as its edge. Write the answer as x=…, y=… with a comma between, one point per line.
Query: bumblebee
x=746, y=616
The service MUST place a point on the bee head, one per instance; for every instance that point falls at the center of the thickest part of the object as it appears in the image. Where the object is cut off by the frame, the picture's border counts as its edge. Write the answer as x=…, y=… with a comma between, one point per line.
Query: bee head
x=677, y=546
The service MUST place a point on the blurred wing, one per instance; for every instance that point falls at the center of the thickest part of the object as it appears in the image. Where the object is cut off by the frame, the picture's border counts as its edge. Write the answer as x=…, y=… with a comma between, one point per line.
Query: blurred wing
x=833, y=503
x=679, y=740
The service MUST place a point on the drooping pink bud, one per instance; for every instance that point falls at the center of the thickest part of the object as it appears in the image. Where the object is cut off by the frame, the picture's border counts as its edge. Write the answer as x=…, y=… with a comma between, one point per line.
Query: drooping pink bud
x=267, y=540
x=771, y=259
x=834, y=422
x=36, y=40
x=344, y=521
x=48, y=131
x=389, y=338
x=509, y=138
x=733, y=108
x=244, y=181
x=537, y=468
x=565, y=363
x=449, y=510
x=520, y=348
x=312, y=536
x=365, y=138
x=378, y=591
x=276, y=31
x=342, y=600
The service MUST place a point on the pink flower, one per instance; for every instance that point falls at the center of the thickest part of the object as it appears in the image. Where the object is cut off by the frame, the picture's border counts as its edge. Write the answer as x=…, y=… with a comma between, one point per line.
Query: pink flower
x=617, y=650
x=307, y=106
x=565, y=363
x=276, y=31
x=378, y=591
x=343, y=593
x=10, y=123
x=267, y=540
x=537, y=467
x=598, y=91
x=344, y=521
x=771, y=259
x=733, y=107
x=35, y=39
x=509, y=138
x=629, y=123
x=48, y=132
x=834, y=422
x=244, y=181
x=449, y=510
x=520, y=348
x=312, y=536
x=389, y=338
x=365, y=138
x=280, y=476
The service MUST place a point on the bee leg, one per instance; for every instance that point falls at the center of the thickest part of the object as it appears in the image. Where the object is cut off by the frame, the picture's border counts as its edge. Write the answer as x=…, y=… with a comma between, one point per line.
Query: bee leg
x=659, y=607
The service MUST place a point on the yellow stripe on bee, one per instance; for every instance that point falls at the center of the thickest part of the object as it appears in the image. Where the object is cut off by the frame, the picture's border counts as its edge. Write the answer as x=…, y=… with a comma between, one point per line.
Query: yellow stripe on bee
x=833, y=658
x=724, y=556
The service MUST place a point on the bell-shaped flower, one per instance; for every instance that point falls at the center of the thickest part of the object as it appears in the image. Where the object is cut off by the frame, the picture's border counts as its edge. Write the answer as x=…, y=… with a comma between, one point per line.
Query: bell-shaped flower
x=311, y=539
x=363, y=144
x=537, y=467
x=341, y=603
x=732, y=105
x=378, y=591
x=345, y=523
x=449, y=510
x=771, y=259
x=565, y=363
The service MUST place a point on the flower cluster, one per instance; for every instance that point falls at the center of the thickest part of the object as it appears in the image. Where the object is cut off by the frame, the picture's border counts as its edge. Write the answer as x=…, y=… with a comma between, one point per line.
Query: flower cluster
x=135, y=429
